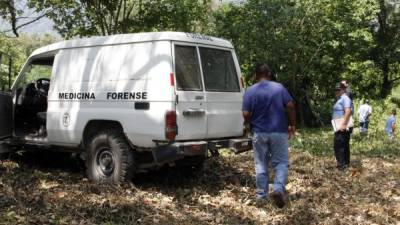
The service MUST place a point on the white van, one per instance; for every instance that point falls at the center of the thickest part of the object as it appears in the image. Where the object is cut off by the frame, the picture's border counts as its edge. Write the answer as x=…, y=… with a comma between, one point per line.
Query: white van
x=128, y=102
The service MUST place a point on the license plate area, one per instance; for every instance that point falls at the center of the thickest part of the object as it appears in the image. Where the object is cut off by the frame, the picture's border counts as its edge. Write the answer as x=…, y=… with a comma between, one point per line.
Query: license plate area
x=240, y=145
x=195, y=149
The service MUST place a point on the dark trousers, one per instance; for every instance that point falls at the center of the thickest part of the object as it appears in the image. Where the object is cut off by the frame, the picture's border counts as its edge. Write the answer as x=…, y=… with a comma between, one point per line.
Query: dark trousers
x=341, y=145
x=364, y=124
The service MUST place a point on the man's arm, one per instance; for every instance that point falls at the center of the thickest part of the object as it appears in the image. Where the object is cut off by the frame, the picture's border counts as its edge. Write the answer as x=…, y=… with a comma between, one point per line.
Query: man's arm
x=246, y=109
x=292, y=118
x=347, y=114
x=347, y=104
x=246, y=117
x=369, y=112
x=394, y=128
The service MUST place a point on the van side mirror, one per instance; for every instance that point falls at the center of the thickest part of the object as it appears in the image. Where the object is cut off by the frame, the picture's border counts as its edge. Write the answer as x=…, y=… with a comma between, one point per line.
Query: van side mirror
x=10, y=61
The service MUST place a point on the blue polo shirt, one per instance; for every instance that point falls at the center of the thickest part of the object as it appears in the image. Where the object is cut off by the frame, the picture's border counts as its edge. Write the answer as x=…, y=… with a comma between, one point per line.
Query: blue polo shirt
x=338, y=109
x=266, y=101
x=389, y=123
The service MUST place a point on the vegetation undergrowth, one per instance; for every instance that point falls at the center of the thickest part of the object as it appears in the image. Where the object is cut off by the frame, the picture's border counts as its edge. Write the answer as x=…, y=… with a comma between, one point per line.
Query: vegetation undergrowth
x=319, y=141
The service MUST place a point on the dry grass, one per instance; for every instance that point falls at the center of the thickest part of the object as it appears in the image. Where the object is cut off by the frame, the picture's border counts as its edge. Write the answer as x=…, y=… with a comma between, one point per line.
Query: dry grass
x=37, y=189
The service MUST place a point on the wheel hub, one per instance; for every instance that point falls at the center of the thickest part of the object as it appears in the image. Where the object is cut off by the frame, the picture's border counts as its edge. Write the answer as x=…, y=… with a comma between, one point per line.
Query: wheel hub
x=105, y=161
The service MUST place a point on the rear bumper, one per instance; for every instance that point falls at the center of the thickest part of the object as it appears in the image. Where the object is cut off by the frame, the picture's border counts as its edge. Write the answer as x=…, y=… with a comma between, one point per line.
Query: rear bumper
x=237, y=145
x=179, y=150
x=175, y=151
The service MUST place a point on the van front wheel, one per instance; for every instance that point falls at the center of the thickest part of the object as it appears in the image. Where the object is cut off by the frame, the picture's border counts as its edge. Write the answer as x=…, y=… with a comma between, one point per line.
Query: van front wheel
x=110, y=158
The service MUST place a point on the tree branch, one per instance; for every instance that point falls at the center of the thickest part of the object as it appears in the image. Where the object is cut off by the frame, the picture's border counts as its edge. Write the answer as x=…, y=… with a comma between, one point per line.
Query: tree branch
x=129, y=11
x=32, y=21
x=394, y=79
x=25, y=24
x=13, y=14
x=117, y=16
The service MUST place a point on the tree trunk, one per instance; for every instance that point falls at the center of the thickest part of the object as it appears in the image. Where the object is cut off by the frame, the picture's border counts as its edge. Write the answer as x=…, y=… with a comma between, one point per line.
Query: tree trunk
x=307, y=116
x=387, y=83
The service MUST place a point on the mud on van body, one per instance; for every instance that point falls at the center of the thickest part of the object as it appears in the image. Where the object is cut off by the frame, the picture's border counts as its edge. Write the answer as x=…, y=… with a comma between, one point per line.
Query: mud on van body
x=129, y=102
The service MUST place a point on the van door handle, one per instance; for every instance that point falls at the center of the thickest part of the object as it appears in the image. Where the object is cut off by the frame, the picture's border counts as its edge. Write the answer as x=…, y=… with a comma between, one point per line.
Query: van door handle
x=199, y=97
x=194, y=112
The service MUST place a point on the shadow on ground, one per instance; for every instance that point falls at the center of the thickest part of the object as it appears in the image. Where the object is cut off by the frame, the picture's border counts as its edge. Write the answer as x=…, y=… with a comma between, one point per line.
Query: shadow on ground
x=51, y=188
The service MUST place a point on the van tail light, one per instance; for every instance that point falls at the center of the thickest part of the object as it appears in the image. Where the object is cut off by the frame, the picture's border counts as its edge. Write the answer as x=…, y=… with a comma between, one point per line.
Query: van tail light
x=242, y=82
x=171, y=127
x=172, y=79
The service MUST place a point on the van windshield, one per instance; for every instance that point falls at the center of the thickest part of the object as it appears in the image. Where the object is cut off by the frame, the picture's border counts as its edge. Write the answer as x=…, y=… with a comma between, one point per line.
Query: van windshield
x=219, y=70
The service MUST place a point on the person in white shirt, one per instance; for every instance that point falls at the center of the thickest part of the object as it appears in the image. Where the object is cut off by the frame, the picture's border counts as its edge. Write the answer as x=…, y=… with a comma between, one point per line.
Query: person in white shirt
x=364, y=113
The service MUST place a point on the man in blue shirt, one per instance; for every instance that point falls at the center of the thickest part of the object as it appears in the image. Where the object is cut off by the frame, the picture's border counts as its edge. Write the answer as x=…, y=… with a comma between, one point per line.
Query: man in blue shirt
x=390, y=126
x=264, y=107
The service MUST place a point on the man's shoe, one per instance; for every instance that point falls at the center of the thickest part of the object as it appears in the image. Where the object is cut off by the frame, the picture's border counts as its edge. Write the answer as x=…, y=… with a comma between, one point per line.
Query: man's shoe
x=278, y=199
x=342, y=168
x=260, y=202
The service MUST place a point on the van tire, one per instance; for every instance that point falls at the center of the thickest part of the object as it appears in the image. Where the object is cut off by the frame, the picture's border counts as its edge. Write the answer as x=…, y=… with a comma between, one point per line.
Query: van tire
x=110, y=159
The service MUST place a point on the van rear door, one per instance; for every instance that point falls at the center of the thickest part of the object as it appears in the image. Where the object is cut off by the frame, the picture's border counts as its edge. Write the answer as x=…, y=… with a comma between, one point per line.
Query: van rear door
x=6, y=122
x=191, y=107
x=222, y=92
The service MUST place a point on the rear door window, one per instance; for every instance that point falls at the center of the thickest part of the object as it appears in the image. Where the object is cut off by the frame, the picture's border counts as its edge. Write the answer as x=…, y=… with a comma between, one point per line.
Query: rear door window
x=187, y=69
x=219, y=70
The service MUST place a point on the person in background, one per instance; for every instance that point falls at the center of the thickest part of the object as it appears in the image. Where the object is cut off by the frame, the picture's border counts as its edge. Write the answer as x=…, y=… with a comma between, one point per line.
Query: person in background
x=390, y=127
x=264, y=107
x=341, y=118
x=364, y=113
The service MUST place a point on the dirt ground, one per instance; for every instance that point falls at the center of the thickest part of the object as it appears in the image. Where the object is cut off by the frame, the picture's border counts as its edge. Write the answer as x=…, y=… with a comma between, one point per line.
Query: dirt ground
x=50, y=188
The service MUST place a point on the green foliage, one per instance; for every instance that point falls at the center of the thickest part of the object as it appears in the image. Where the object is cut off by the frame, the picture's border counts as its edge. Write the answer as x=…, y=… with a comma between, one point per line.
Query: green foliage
x=311, y=45
x=87, y=18
x=395, y=96
x=19, y=49
x=386, y=51
x=37, y=71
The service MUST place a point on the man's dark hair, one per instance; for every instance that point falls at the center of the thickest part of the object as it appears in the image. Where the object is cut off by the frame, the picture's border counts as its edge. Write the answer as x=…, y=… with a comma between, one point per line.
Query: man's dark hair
x=263, y=70
x=340, y=86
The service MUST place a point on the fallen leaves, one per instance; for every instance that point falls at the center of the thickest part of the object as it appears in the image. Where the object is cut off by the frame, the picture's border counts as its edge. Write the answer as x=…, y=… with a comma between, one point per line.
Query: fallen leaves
x=61, y=194
x=48, y=184
x=222, y=193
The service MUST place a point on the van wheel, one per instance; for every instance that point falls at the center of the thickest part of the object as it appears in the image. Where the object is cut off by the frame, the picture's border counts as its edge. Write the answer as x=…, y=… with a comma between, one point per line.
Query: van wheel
x=110, y=158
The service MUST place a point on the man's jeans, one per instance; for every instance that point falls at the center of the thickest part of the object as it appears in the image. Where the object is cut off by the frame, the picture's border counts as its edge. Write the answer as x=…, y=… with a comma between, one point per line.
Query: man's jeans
x=270, y=147
x=364, y=126
x=390, y=134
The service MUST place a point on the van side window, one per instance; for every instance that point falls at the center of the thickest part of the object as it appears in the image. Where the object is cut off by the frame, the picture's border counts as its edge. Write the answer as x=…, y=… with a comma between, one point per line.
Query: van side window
x=187, y=69
x=219, y=70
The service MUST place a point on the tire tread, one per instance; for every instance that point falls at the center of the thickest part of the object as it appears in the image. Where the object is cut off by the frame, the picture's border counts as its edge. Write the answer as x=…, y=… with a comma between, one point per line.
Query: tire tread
x=113, y=137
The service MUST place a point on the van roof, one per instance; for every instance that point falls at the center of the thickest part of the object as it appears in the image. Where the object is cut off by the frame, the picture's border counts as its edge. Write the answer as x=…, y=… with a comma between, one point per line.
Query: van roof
x=133, y=38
